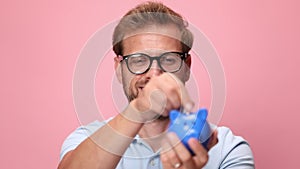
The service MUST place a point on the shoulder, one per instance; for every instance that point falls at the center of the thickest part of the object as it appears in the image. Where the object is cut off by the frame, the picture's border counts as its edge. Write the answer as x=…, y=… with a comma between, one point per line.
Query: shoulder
x=86, y=130
x=79, y=135
x=231, y=151
x=227, y=140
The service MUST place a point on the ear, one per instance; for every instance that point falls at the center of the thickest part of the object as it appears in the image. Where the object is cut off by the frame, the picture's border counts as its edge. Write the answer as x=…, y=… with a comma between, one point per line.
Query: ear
x=188, y=63
x=117, y=67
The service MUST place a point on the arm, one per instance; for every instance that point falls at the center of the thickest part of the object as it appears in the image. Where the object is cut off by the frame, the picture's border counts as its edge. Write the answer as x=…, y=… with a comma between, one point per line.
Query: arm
x=104, y=145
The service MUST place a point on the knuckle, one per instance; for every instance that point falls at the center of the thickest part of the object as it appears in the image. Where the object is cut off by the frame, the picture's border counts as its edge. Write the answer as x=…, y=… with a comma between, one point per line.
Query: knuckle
x=204, y=159
x=177, y=104
x=172, y=89
x=164, y=158
x=172, y=156
x=185, y=157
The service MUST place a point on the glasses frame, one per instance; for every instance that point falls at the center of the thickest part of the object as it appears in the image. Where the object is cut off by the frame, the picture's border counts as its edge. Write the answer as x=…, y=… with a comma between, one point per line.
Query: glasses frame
x=183, y=56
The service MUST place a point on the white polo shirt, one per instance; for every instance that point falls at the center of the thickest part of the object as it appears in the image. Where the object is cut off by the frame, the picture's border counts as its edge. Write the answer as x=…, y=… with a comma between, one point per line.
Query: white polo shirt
x=230, y=152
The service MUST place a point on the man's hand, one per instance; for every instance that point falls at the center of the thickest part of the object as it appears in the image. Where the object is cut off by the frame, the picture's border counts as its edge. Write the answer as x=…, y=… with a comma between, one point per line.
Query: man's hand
x=175, y=155
x=160, y=95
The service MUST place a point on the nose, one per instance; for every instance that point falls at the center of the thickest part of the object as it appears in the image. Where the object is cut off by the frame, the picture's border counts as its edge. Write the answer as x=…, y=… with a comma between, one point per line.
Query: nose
x=154, y=70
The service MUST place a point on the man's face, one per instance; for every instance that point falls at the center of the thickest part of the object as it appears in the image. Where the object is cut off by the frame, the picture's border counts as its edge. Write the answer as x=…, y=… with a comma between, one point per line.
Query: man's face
x=152, y=44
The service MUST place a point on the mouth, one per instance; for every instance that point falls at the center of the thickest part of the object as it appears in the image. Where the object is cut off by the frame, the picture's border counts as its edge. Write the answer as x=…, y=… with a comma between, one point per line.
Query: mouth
x=140, y=88
x=141, y=84
x=162, y=118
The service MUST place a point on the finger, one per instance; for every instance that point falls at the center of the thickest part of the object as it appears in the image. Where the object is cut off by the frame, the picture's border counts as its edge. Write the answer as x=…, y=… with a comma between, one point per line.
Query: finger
x=169, y=157
x=162, y=103
x=171, y=89
x=163, y=96
x=165, y=161
x=213, y=139
x=185, y=98
x=182, y=152
x=173, y=100
x=201, y=155
x=158, y=101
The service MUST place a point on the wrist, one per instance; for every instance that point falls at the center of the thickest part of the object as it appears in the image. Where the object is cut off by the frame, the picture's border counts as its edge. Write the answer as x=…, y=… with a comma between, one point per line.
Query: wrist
x=134, y=114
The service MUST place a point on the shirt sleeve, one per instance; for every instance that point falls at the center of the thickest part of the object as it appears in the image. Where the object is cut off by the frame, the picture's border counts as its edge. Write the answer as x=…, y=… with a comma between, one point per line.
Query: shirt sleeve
x=240, y=157
x=78, y=136
x=236, y=152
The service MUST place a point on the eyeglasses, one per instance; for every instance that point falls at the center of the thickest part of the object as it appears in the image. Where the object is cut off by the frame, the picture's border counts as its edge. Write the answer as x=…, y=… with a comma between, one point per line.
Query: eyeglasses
x=139, y=63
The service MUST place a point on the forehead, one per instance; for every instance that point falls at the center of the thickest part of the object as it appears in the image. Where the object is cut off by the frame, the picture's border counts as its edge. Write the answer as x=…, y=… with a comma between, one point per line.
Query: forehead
x=153, y=38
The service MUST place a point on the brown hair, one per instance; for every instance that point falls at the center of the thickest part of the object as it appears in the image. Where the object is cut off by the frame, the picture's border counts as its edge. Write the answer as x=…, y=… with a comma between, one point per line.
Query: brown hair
x=146, y=14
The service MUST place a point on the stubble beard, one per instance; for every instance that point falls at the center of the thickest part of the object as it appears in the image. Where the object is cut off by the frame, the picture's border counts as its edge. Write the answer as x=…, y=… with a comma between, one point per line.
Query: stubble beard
x=133, y=88
x=131, y=95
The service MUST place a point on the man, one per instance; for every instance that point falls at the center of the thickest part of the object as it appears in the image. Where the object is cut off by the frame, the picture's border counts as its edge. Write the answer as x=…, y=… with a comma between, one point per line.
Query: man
x=152, y=62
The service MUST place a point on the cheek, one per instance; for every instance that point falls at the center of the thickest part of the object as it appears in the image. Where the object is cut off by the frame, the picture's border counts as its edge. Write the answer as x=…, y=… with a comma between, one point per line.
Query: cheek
x=183, y=74
x=128, y=79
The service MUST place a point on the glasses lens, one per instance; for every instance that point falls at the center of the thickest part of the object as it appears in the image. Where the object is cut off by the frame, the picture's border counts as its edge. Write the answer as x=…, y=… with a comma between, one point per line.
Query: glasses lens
x=138, y=63
x=171, y=62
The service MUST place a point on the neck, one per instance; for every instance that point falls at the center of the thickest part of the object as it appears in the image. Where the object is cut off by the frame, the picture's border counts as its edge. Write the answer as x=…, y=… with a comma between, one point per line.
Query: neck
x=153, y=133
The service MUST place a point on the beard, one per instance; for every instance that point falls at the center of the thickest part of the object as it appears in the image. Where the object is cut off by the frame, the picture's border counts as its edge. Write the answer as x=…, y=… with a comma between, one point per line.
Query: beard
x=132, y=95
x=135, y=86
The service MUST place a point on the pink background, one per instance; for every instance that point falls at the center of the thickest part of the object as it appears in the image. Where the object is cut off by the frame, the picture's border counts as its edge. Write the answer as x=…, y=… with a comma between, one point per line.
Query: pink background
x=258, y=43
